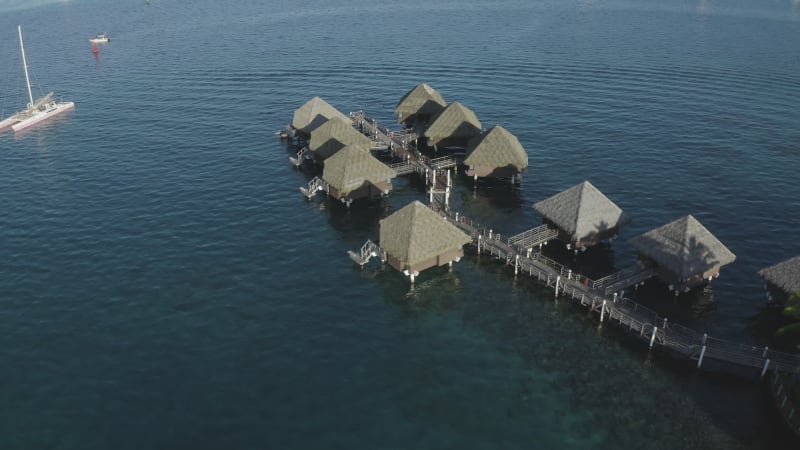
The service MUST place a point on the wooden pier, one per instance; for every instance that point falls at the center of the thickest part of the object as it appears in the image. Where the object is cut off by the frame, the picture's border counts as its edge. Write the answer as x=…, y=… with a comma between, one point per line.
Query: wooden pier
x=523, y=252
x=402, y=146
x=601, y=297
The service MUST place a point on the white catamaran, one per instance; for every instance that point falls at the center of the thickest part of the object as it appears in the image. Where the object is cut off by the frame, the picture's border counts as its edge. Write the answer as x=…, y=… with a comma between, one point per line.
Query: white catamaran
x=36, y=111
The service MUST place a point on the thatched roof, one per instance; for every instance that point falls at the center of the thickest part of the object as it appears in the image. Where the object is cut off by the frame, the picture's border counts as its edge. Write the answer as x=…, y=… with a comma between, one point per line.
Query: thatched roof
x=415, y=234
x=684, y=247
x=335, y=134
x=423, y=99
x=785, y=275
x=350, y=167
x=496, y=148
x=314, y=113
x=455, y=121
x=582, y=211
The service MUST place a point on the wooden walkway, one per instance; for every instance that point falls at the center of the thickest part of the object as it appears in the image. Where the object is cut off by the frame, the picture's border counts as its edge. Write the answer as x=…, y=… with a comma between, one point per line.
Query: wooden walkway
x=401, y=145
x=599, y=296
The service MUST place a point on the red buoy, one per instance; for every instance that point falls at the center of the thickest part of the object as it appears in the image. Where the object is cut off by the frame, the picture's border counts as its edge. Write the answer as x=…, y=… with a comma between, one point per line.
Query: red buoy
x=94, y=48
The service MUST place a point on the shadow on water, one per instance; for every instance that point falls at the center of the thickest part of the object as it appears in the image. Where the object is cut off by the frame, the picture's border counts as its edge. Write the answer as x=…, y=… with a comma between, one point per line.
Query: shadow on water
x=686, y=308
x=595, y=262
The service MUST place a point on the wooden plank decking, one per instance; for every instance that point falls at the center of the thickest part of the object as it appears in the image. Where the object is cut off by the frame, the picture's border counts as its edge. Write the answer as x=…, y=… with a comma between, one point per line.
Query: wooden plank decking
x=637, y=319
x=598, y=296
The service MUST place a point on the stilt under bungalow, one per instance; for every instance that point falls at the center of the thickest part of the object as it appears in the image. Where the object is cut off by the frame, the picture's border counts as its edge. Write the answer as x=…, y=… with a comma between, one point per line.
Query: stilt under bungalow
x=583, y=215
x=684, y=252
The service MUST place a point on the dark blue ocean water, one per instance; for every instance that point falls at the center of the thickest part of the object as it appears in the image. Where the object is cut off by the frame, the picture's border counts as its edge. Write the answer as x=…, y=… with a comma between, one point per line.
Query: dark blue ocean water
x=163, y=283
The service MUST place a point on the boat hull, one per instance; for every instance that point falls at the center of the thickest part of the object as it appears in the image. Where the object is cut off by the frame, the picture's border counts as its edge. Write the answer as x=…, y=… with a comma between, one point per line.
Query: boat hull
x=42, y=116
x=8, y=123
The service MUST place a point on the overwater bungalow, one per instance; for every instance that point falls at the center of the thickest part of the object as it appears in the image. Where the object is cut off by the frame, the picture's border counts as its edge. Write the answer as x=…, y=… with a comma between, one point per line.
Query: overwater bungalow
x=583, y=215
x=419, y=106
x=353, y=173
x=453, y=127
x=783, y=280
x=684, y=253
x=334, y=135
x=415, y=238
x=312, y=114
x=495, y=153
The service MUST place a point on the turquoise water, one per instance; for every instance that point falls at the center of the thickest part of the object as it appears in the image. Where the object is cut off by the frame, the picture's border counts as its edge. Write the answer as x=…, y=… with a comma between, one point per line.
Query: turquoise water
x=165, y=285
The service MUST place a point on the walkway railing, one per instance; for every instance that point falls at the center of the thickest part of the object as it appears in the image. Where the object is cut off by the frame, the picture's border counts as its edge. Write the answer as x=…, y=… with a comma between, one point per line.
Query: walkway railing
x=627, y=313
x=593, y=294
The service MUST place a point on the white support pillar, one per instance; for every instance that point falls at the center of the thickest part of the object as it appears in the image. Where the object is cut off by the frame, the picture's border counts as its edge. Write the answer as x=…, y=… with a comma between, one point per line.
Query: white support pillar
x=569, y=274
x=615, y=297
x=664, y=326
x=702, y=354
x=558, y=279
x=479, y=244
x=766, y=366
x=764, y=353
x=603, y=311
x=516, y=264
x=653, y=337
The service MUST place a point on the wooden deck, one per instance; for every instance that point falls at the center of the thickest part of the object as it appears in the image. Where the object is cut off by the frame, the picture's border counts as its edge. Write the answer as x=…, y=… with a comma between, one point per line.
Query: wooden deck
x=401, y=145
x=596, y=296
x=600, y=296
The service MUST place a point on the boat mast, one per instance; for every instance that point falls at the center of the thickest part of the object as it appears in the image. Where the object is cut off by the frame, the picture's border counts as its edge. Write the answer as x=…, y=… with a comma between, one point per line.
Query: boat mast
x=25, y=64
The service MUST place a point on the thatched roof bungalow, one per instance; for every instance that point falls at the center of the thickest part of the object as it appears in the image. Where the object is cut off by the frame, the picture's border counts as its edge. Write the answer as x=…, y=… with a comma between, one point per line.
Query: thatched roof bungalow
x=685, y=253
x=416, y=238
x=353, y=173
x=312, y=114
x=454, y=126
x=496, y=153
x=583, y=215
x=783, y=279
x=334, y=135
x=419, y=105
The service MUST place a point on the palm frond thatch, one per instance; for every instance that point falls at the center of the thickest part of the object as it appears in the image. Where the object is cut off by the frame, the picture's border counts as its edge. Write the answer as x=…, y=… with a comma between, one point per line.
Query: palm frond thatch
x=335, y=134
x=582, y=211
x=423, y=100
x=684, y=247
x=497, y=147
x=785, y=275
x=314, y=113
x=351, y=167
x=415, y=234
x=456, y=121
